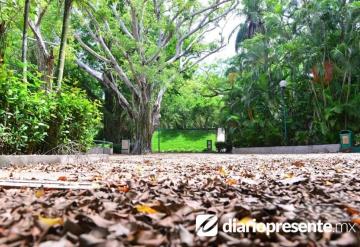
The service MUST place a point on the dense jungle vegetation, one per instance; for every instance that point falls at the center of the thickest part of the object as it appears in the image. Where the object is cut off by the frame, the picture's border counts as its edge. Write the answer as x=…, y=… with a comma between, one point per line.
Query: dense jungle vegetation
x=72, y=71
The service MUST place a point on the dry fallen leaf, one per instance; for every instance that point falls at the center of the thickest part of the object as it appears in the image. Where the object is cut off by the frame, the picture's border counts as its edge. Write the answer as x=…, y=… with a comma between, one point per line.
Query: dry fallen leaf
x=124, y=188
x=246, y=221
x=3, y=231
x=328, y=183
x=39, y=193
x=338, y=170
x=298, y=163
x=185, y=236
x=231, y=181
x=139, y=169
x=142, y=208
x=51, y=221
x=164, y=213
x=96, y=178
x=356, y=221
x=288, y=175
x=352, y=211
x=152, y=178
x=62, y=178
x=95, y=186
x=223, y=172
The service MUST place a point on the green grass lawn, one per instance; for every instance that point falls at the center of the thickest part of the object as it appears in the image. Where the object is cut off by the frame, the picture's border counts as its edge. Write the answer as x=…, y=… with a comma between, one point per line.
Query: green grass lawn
x=183, y=140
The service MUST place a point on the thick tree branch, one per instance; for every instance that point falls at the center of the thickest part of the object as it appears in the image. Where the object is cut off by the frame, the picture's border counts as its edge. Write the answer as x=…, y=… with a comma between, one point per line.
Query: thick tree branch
x=118, y=69
x=41, y=13
x=121, y=22
x=103, y=79
x=202, y=23
x=39, y=38
x=134, y=21
x=98, y=38
x=94, y=73
x=187, y=64
x=91, y=51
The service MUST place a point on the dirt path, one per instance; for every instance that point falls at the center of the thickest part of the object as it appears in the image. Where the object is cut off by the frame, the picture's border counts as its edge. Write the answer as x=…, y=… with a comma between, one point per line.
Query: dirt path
x=154, y=200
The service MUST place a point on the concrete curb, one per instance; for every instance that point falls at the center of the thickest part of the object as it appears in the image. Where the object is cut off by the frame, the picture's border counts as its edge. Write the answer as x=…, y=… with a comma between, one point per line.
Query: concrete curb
x=328, y=148
x=6, y=160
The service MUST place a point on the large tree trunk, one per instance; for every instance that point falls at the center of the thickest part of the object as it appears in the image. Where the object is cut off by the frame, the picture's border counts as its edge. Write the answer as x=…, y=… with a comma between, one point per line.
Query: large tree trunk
x=116, y=122
x=24, y=38
x=45, y=56
x=45, y=62
x=65, y=28
x=147, y=120
x=144, y=129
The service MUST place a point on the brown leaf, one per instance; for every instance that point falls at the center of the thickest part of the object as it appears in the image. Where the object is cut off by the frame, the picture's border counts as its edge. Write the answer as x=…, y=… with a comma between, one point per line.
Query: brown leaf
x=346, y=239
x=52, y=243
x=124, y=188
x=351, y=211
x=62, y=178
x=298, y=163
x=96, y=178
x=356, y=221
x=96, y=219
x=149, y=238
x=153, y=178
x=294, y=180
x=119, y=230
x=90, y=240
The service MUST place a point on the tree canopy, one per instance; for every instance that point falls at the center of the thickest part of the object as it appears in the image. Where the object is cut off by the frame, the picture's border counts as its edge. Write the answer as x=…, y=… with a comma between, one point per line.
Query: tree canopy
x=148, y=63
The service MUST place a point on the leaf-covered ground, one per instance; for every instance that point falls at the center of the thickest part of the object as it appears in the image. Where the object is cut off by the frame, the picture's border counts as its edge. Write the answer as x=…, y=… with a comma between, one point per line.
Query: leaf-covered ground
x=153, y=200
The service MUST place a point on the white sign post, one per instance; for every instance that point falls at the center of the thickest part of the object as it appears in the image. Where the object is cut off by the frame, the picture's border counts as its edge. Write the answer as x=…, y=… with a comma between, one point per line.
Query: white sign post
x=220, y=135
x=125, y=146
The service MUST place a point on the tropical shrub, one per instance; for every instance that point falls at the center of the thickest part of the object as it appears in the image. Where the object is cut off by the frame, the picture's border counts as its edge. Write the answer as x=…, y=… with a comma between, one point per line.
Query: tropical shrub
x=75, y=119
x=35, y=121
x=24, y=115
x=314, y=46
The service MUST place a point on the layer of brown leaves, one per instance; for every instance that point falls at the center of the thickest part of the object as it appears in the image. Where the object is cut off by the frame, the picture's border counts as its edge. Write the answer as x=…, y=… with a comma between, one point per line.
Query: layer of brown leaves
x=154, y=200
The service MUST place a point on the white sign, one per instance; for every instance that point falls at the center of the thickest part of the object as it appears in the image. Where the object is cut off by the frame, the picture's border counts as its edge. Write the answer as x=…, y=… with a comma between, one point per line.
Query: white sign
x=125, y=146
x=220, y=135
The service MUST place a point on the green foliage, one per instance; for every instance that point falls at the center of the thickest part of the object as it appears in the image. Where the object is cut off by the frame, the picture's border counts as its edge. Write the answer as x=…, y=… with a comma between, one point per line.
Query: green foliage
x=34, y=121
x=190, y=103
x=183, y=140
x=75, y=119
x=315, y=47
x=24, y=115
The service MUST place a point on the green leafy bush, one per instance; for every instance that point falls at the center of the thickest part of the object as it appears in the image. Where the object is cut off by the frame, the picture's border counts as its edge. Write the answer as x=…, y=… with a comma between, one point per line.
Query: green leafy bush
x=24, y=115
x=74, y=119
x=34, y=121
